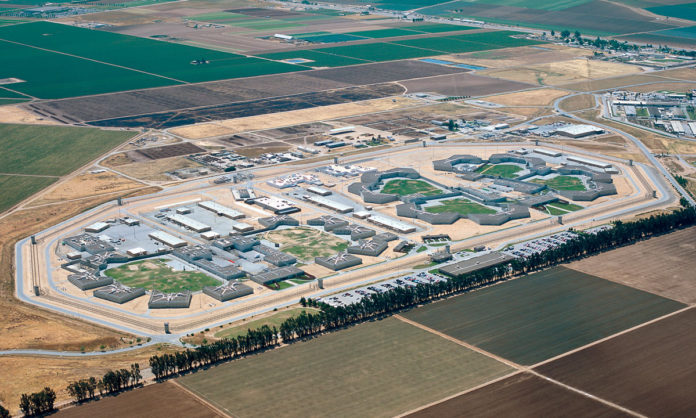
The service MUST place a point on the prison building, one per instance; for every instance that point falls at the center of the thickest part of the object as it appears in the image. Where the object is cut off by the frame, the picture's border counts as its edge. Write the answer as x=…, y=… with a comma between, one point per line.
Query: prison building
x=403, y=247
x=450, y=164
x=319, y=191
x=355, y=231
x=167, y=239
x=243, y=194
x=329, y=222
x=237, y=242
x=276, y=205
x=578, y=131
x=328, y=203
x=221, y=210
x=194, y=253
x=274, y=222
x=548, y=153
x=118, y=293
x=437, y=237
x=392, y=224
x=88, y=243
x=228, y=291
x=242, y=226
x=520, y=186
x=160, y=300
x=386, y=237
x=227, y=272
x=96, y=227
x=591, y=163
x=275, y=257
x=370, y=248
x=340, y=261
x=136, y=252
x=276, y=275
x=461, y=268
x=87, y=281
x=210, y=235
x=188, y=223
x=100, y=261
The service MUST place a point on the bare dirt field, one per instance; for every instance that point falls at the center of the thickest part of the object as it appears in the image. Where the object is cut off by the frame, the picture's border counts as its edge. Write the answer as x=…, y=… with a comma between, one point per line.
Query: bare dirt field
x=86, y=185
x=651, y=370
x=17, y=114
x=529, y=112
x=678, y=86
x=679, y=73
x=521, y=395
x=611, y=83
x=579, y=102
x=667, y=271
x=563, y=72
x=513, y=57
x=538, y=97
x=463, y=85
x=257, y=150
x=154, y=170
x=163, y=400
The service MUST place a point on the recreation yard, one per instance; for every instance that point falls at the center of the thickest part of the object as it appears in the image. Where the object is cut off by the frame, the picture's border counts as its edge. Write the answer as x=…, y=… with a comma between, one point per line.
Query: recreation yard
x=459, y=205
x=562, y=183
x=404, y=187
x=306, y=243
x=155, y=274
x=508, y=171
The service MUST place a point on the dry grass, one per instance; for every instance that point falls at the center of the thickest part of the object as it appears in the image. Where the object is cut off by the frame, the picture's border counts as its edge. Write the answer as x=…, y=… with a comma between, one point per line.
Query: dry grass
x=87, y=185
x=557, y=73
x=257, y=150
x=677, y=87
x=16, y=114
x=528, y=112
x=155, y=170
x=538, y=97
x=579, y=102
x=679, y=74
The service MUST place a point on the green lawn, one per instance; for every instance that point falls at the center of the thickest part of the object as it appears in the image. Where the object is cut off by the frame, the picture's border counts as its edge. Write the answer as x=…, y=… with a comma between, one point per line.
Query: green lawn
x=273, y=320
x=562, y=183
x=501, y=170
x=642, y=112
x=459, y=205
x=376, y=369
x=14, y=189
x=543, y=315
x=280, y=285
x=53, y=150
x=403, y=187
x=558, y=208
x=154, y=274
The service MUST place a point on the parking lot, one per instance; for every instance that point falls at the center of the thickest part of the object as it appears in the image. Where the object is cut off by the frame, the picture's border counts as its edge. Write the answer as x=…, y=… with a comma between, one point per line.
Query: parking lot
x=529, y=248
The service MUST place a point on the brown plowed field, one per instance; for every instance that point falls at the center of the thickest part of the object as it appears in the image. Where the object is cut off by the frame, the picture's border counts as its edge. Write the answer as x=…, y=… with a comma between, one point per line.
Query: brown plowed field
x=664, y=265
x=651, y=370
x=159, y=400
x=521, y=395
x=463, y=85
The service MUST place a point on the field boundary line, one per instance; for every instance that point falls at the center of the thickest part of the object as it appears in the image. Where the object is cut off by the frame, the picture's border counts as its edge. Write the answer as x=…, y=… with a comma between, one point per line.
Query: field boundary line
x=199, y=398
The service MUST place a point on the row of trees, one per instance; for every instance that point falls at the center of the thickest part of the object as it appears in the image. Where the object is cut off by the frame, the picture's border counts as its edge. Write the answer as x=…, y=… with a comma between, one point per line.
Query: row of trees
x=113, y=381
x=38, y=403
x=614, y=45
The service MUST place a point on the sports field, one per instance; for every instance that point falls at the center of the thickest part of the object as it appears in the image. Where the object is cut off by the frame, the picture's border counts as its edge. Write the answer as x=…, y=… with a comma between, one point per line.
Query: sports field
x=154, y=274
x=14, y=189
x=543, y=315
x=404, y=187
x=375, y=369
x=562, y=183
x=53, y=151
x=508, y=171
x=462, y=206
x=306, y=243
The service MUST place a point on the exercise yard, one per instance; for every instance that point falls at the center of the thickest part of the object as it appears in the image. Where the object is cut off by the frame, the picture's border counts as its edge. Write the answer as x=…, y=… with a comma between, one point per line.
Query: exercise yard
x=155, y=274
x=508, y=171
x=404, y=187
x=459, y=205
x=562, y=183
x=306, y=243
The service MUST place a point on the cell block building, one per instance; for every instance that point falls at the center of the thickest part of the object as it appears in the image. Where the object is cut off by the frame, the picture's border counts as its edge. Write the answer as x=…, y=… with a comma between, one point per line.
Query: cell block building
x=340, y=261
x=118, y=293
x=228, y=291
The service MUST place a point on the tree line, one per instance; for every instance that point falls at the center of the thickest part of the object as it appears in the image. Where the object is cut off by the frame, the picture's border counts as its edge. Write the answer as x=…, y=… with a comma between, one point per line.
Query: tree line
x=113, y=381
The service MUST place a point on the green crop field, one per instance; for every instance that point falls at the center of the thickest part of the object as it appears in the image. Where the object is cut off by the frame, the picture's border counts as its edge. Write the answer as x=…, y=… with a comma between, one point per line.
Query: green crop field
x=543, y=315
x=332, y=38
x=404, y=187
x=501, y=170
x=445, y=45
x=4, y=101
x=14, y=189
x=154, y=274
x=8, y=94
x=379, y=51
x=459, y=205
x=500, y=39
x=682, y=11
x=376, y=369
x=306, y=243
x=562, y=183
x=272, y=321
x=53, y=150
x=319, y=59
x=384, y=33
x=438, y=27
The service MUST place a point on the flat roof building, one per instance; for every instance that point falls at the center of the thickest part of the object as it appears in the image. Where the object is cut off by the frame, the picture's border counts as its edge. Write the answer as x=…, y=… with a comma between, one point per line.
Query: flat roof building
x=118, y=293
x=579, y=131
x=167, y=239
x=97, y=227
x=389, y=223
x=328, y=203
x=277, y=275
x=188, y=223
x=340, y=261
x=221, y=210
x=160, y=300
x=228, y=291
x=462, y=268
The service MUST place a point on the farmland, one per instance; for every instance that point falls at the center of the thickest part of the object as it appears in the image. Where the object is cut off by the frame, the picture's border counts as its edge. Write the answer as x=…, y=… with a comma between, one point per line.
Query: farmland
x=14, y=189
x=397, y=368
x=651, y=370
x=543, y=315
x=501, y=170
x=155, y=274
x=317, y=58
x=306, y=243
x=403, y=187
x=461, y=206
x=562, y=183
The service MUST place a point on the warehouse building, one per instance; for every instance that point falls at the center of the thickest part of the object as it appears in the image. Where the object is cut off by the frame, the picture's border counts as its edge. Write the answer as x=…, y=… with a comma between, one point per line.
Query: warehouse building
x=392, y=224
x=160, y=300
x=276, y=275
x=221, y=210
x=328, y=203
x=340, y=261
x=188, y=223
x=462, y=268
x=167, y=239
x=579, y=131
x=276, y=205
x=118, y=293
x=228, y=291
x=96, y=227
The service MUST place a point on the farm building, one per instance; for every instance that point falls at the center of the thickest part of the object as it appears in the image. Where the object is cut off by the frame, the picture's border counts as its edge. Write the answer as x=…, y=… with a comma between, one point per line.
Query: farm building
x=118, y=293
x=339, y=261
x=160, y=300
x=228, y=291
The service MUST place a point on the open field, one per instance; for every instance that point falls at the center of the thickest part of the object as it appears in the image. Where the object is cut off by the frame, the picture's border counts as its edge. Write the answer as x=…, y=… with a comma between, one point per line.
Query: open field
x=14, y=189
x=306, y=243
x=462, y=206
x=538, y=97
x=534, y=318
x=161, y=400
x=86, y=185
x=579, y=102
x=501, y=170
x=522, y=395
x=562, y=183
x=155, y=274
x=611, y=83
x=150, y=170
x=403, y=187
x=53, y=151
x=651, y=370
x=374, y=369
x=463, y=85
x=666, y=272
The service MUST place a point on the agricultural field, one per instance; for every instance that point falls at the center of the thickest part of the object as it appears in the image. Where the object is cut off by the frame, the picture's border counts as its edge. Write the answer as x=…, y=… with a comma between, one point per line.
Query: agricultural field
x=521, y=395
x=404, y=187
x=562, y=183
x=53, y=151
x=534, y=318
x=14, y=189
x=315, y=58
x=155, y=274
x=681, y=11
x=651, y=370
x=379, y=51
x=306, y=243
x=536, y=97
x=397, y=368
x=461, y=206
x=508, y=171
x=666, y=272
